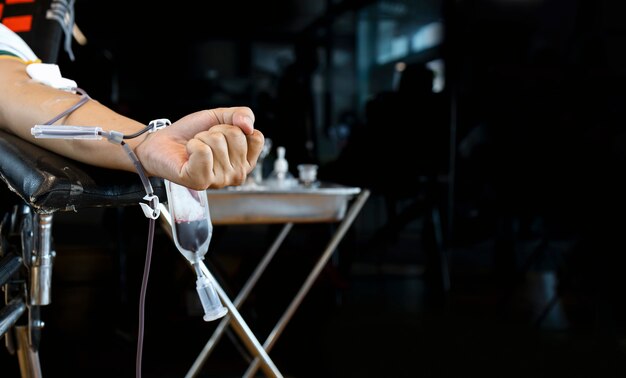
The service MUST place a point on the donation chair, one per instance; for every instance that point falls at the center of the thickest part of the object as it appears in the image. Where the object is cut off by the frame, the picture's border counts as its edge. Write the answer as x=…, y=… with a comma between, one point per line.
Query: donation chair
x=40, y=183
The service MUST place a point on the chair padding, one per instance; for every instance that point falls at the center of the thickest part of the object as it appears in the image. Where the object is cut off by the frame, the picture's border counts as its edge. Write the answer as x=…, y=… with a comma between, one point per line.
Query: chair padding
x=49, y=182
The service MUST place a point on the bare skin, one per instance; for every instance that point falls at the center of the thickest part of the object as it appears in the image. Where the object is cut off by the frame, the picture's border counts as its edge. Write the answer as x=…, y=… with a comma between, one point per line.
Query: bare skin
x=207, y=149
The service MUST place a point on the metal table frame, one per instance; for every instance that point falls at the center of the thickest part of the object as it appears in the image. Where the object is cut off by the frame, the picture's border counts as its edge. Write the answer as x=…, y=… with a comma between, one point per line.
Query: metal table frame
x=325, y=203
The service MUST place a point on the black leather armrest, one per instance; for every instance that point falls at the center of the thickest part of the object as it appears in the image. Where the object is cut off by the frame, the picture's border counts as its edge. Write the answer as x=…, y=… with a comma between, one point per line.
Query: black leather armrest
x=50, y=182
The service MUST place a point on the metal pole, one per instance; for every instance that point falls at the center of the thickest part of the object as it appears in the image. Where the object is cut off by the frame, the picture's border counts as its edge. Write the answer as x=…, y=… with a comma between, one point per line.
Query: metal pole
x=243, y=294
x=280, y=326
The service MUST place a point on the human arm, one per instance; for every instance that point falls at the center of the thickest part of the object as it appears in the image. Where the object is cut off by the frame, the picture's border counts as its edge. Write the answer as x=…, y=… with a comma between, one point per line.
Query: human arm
x=208, y=149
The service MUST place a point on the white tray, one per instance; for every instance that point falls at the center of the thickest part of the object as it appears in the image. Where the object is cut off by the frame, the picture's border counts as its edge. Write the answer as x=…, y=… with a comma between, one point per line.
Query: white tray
x=259, y=204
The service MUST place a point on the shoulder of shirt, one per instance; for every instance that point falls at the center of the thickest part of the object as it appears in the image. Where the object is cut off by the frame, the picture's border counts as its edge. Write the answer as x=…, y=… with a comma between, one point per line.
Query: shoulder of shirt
x=4, y=55
x=12, y=46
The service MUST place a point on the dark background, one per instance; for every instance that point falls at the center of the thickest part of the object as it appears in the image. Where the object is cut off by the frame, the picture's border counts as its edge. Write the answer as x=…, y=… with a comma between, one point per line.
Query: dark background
x=516, y=165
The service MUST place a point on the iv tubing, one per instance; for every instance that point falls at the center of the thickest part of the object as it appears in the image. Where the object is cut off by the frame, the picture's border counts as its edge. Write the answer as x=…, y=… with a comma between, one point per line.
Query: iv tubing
x=142, y=299
x=142, y=174
x=117, y=138
x=83, y=99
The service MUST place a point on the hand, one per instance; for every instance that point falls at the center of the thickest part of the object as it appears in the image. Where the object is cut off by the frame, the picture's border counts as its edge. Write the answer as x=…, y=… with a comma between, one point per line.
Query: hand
x=207, y=149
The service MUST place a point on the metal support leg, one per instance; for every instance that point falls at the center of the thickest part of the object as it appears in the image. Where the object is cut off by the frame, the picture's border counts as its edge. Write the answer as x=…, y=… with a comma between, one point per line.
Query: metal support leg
x=241, y=297
x=246, y=334
x=22, y=338
x=239, y=325
x=280, y=326
x=9, y=265
x=27, y=355
x=43, y=255
x=10, y=314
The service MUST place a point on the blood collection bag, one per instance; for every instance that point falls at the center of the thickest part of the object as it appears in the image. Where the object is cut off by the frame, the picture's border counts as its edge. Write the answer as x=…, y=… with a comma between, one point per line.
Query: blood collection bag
x=192, y=230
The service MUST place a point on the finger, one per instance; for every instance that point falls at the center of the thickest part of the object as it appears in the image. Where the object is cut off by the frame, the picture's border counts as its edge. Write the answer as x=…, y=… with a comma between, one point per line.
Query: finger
x=244, y=119
x=240, y=116
x=199, y=170
x=255, y=143
x=229, y=147
x=203, y=120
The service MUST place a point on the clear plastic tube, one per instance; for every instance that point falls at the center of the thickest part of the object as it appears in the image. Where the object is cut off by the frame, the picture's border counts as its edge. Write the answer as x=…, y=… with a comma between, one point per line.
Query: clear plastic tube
x=83, y=99
x=66, y=132
x=211, y=303
x=142, y=174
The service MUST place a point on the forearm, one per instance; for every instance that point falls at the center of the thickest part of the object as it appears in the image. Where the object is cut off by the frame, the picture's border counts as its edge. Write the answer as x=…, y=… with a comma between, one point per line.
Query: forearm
x=25, y=103
x=209, y=148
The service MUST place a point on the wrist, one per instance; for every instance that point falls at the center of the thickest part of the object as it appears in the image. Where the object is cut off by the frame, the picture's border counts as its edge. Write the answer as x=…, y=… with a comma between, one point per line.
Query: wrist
x=140, y=142
x=140, y=146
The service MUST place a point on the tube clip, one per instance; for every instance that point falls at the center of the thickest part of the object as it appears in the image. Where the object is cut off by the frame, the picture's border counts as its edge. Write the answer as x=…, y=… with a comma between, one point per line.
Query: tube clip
x=151, y=211
x=158, y=124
